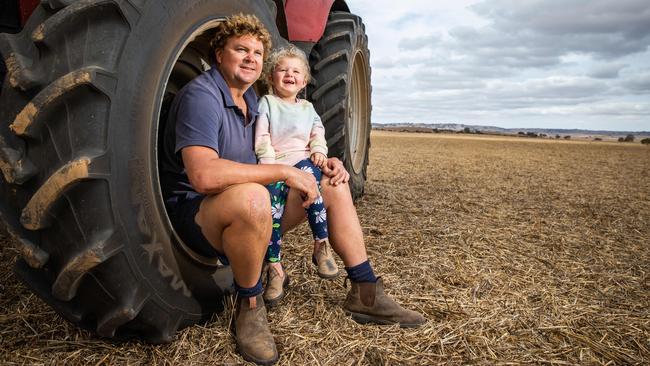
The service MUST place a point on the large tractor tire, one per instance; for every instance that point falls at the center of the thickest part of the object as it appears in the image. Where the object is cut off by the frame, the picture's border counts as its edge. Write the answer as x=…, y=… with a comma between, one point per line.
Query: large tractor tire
x=87, y=84
x=340, y=92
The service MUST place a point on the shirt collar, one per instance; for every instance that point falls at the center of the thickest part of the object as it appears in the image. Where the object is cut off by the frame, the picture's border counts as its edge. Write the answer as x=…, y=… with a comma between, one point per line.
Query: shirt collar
x=249, y=95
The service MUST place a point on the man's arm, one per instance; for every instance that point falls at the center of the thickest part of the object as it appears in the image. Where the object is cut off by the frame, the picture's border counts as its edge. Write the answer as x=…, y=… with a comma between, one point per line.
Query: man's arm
x=209, y=174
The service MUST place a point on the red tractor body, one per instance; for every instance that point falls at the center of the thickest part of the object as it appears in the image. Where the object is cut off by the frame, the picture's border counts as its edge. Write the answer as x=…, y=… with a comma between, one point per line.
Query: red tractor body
x=305, y=19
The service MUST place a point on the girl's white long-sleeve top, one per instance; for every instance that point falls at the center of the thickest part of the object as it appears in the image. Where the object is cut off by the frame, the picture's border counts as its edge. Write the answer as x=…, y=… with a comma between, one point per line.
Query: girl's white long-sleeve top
x=286, y=133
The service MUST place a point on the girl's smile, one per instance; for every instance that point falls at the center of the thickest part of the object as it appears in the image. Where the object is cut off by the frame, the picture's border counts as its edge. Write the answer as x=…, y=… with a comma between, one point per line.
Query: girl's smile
x=288, y=78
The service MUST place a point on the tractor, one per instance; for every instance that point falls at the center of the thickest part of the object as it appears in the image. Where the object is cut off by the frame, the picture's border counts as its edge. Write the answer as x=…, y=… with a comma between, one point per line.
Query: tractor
x=86, y=85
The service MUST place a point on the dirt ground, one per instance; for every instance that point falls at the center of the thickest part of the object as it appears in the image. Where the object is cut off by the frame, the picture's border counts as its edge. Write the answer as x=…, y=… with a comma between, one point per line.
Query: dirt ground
x=517, y=251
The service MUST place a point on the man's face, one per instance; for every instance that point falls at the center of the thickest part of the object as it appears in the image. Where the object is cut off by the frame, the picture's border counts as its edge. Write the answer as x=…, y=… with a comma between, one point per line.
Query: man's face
x=240, y=61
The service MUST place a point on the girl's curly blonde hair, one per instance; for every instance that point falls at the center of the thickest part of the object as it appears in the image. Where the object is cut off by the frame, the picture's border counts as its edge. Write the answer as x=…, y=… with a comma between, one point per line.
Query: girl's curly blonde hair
x=237, y=26
x=290, y=51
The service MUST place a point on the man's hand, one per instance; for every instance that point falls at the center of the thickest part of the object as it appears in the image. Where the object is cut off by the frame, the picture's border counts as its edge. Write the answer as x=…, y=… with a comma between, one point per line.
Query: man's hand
x=303, y=182
x=318, y=159
x=336, y=172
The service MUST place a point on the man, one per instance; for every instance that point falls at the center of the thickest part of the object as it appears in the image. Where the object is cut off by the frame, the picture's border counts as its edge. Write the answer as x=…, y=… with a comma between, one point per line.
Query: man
x=216, y=198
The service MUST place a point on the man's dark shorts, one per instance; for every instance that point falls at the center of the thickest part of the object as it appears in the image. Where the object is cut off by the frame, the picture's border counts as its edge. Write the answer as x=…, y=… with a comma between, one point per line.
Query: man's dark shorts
x=182, y=215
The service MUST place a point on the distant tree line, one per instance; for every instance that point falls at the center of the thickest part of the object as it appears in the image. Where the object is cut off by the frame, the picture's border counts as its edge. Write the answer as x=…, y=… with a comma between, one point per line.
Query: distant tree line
x=531, y=134
x=468, y=130
x=628, y=138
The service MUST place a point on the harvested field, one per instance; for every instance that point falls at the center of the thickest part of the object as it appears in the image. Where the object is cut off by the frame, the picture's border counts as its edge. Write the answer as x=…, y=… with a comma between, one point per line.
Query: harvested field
x=516, y=250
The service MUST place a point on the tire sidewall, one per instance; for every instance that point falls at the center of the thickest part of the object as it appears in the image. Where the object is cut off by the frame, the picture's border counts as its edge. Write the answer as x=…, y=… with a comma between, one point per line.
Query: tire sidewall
x=144, y=67
x=358, y=178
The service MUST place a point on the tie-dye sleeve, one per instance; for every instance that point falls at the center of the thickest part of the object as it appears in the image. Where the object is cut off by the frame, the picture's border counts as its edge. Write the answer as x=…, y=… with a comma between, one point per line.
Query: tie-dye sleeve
x=317, y=142
x=263, y=148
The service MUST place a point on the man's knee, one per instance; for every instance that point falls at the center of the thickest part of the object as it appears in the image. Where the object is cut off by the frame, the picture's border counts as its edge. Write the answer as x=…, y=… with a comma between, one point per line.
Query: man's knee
x=252, y=203
x=335, y=194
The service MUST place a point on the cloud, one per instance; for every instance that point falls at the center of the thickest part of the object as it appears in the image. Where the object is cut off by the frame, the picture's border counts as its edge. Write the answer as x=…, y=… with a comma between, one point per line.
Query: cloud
x=629, y=17
x=401, y=61
x=606, y=71
x=415, y=43
x=605, y=28
x=638, y=83
x=409, y=18
x=539, y=33
x=527, y=62
x=551, y=89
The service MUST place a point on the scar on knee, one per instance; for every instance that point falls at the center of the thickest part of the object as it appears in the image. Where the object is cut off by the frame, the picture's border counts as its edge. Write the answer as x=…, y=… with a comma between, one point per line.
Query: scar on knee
x=258, y=206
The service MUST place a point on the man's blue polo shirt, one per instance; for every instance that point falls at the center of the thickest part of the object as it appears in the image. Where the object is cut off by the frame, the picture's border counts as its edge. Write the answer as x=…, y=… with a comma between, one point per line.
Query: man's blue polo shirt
x=203, y=113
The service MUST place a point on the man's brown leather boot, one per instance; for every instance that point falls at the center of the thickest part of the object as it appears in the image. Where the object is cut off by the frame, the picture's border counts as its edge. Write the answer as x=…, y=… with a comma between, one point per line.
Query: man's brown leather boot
x=367, y=303
x=254, y=339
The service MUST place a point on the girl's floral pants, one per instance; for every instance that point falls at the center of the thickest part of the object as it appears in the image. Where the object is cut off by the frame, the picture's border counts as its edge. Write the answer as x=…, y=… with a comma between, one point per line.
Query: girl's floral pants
x=316, y=214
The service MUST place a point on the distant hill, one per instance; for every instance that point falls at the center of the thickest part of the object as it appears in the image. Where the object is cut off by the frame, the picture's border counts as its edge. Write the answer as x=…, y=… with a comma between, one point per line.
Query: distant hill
x=551, y=132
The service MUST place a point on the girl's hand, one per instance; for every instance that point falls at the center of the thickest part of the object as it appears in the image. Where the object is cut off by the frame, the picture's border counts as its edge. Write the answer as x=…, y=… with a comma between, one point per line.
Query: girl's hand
x=318, y=159
x=336, y=172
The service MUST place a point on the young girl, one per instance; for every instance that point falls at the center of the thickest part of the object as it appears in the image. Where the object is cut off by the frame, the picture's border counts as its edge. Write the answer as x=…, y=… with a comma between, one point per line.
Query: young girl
x=289, y=131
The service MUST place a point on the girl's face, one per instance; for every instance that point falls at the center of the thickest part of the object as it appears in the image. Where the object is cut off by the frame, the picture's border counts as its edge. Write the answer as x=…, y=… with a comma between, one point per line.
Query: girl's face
x=288, y=78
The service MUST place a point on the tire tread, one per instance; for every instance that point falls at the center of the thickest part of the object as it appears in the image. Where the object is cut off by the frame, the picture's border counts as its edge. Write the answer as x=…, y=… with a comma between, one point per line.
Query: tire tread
x=70, y=14
x=67, y=282
x=16, y=51
x=50, y=95
x=331, y=59
x=34, y=215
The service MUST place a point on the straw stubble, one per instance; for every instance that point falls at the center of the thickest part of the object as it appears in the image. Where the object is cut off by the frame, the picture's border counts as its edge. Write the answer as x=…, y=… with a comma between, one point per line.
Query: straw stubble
x=516, y=250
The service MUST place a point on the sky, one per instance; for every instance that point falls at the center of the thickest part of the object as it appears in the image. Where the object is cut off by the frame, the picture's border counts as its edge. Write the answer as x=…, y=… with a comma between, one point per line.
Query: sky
x=516, y=64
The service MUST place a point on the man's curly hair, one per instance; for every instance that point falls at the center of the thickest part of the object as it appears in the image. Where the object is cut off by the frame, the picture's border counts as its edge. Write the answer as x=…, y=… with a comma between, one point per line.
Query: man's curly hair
x=237, y=26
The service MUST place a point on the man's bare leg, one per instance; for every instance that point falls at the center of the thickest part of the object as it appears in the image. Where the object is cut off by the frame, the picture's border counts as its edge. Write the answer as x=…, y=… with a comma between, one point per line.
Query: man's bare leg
x=237, y=222
x=366, y=302
x=345, y=233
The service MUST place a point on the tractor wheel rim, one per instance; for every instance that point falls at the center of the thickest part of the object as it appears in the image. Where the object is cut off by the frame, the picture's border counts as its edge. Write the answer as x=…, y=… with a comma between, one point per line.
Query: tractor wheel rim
x=358, y=109
x=200, y=29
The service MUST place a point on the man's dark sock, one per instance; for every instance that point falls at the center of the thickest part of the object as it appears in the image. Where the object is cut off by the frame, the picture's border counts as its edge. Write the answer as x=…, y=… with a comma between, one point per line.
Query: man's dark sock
x=249, y=291
x=361, y=273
